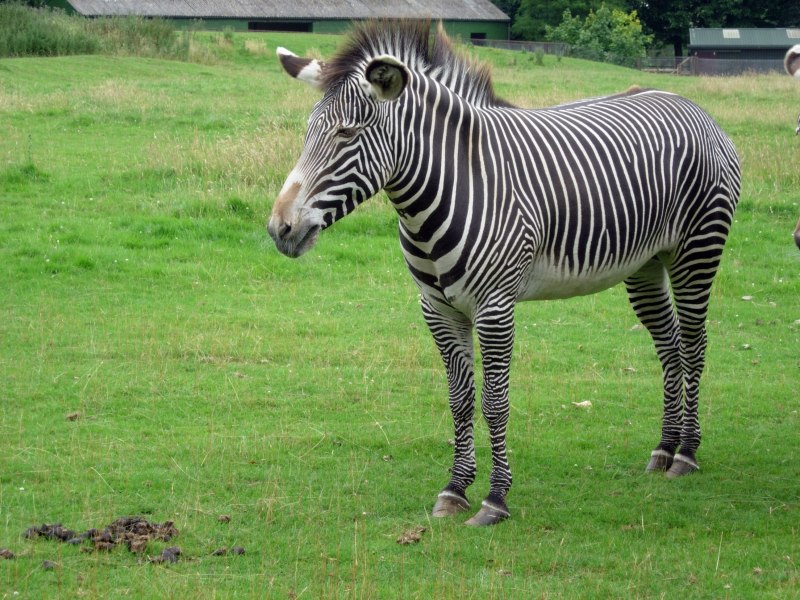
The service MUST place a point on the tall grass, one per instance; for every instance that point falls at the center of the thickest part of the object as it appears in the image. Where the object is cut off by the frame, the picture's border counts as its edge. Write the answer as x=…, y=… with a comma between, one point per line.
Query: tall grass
x=27, y=31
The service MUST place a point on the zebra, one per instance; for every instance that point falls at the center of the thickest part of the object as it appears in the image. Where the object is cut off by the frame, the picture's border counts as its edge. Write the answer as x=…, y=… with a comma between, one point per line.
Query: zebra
x=796, y=233
x=791, y=61
x=499, y=204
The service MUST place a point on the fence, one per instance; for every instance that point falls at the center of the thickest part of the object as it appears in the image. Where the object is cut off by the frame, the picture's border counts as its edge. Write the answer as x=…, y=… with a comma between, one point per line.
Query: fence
x=554, y=48
x=693, y=65
x=677, y=65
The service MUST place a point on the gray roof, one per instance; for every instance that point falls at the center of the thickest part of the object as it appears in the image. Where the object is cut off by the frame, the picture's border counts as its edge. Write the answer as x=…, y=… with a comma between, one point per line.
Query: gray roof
x=449, y=10
x=744, y=38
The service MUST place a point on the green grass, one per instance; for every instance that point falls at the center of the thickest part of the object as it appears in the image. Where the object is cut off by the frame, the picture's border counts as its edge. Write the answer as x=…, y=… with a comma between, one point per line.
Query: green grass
x=305, y=398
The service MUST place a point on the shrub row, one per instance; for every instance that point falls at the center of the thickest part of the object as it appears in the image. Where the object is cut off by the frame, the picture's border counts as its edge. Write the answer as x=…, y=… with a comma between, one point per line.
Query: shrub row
x=28, y=31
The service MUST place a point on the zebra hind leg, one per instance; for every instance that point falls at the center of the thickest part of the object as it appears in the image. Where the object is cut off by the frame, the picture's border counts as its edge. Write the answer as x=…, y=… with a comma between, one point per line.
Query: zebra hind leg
x=691, y=287
x=649, y=295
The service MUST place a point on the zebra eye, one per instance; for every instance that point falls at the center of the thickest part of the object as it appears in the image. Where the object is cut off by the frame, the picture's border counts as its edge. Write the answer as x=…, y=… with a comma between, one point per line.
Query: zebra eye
x=347, y=132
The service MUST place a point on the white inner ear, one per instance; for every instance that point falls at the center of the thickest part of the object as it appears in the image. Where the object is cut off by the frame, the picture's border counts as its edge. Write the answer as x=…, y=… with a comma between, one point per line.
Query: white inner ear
x=305, y=69
x=312, y=74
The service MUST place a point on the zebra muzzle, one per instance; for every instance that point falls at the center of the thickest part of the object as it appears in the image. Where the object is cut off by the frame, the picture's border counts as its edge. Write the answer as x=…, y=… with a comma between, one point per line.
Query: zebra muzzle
x=293, y=240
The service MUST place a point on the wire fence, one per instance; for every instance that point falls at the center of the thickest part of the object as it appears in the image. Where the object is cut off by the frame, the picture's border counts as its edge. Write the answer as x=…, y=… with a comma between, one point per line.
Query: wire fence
x=676, y=65
x=553, y=48
x=694, y=65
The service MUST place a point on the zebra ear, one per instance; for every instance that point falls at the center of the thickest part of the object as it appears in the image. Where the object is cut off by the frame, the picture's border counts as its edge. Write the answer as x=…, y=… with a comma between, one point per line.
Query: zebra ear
x=304, y=69
x=387, y=77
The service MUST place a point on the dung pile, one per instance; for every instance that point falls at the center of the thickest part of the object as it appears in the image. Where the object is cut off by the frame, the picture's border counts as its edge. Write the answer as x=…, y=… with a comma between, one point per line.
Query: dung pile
x=132, y=532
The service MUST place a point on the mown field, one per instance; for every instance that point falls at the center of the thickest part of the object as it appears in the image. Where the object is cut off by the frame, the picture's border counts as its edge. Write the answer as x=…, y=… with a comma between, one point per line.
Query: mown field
x=160, y=358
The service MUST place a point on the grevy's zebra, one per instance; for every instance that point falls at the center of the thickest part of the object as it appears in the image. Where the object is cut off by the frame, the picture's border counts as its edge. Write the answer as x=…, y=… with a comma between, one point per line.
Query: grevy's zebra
x=791, y=61
x=498, y=204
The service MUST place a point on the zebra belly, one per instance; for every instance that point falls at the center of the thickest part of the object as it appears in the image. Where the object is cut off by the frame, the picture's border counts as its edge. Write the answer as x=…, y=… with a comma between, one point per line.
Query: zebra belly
x=547, y=281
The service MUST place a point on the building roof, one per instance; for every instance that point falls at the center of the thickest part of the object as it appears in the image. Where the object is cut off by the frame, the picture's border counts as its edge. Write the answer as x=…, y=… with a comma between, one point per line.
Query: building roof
x=743, y=38
x=448, y=10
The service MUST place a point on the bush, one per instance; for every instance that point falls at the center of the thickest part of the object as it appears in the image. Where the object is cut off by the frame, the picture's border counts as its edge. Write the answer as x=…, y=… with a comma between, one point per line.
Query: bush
x=26, y=31
x=606, y=35
x=137, y=36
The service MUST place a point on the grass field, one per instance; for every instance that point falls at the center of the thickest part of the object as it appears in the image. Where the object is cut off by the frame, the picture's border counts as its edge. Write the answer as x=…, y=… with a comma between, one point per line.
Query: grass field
x=160, y=358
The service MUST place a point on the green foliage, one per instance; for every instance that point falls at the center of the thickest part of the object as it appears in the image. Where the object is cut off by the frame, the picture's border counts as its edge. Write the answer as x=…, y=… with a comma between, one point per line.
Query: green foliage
x=205, y=375
x=22, y=174
x=27, y=31
x=534, y=16
x=609, y=35
x=667, y=20
x=136, y=36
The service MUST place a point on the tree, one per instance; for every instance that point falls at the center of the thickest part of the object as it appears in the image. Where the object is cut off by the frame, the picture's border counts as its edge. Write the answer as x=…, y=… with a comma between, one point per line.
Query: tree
x=510, y=7
x=610, y=35
x=534, y=16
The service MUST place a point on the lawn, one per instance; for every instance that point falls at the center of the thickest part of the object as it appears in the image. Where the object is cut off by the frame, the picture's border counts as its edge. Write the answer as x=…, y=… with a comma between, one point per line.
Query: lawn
x=160, y=358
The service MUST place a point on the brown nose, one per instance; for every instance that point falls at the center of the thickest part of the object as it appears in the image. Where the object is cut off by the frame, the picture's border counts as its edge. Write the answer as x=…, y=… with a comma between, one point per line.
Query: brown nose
x=280, y=224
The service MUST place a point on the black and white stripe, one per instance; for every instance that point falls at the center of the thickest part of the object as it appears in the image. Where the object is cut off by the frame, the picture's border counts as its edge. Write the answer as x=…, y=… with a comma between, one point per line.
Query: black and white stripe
x=497, y=204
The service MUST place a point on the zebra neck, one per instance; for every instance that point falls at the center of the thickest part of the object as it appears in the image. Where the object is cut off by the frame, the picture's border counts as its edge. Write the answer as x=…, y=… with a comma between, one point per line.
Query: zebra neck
x=439, y=133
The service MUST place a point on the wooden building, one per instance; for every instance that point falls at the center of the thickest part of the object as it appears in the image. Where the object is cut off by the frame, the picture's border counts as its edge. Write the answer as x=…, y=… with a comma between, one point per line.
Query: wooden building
x=468, y=19
x=733, y=51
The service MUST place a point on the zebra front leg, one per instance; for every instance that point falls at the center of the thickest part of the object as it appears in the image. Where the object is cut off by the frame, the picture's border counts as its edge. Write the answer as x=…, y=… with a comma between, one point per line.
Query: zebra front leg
x=495, y=328
x=453, y=336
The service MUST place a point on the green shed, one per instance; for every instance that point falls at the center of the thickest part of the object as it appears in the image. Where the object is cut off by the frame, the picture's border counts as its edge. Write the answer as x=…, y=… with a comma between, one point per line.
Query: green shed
x=731, y=51
x=468, y=19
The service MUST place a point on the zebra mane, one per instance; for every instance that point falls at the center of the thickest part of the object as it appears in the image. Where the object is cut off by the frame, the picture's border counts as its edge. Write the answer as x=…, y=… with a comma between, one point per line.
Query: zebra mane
x=411, y=42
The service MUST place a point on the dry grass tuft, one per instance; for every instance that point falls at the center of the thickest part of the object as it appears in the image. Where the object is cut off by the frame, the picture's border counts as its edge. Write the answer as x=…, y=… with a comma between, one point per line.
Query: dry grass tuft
x=260, y=158
x=256, y=47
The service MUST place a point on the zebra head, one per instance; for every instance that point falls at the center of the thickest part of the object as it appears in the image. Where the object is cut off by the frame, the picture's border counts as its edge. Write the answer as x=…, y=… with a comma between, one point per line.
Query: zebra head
x=791, y=62
x=346, y=157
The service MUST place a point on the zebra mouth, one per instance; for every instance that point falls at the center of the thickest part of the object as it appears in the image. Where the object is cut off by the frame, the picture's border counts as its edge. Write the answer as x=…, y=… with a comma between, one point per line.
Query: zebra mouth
x=297, y=245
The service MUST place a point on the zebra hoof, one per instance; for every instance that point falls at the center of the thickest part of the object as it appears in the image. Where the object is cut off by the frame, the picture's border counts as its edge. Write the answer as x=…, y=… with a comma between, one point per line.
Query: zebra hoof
x=660, y=460
x=682, y=465
x=489, y=514
x=449, y=503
